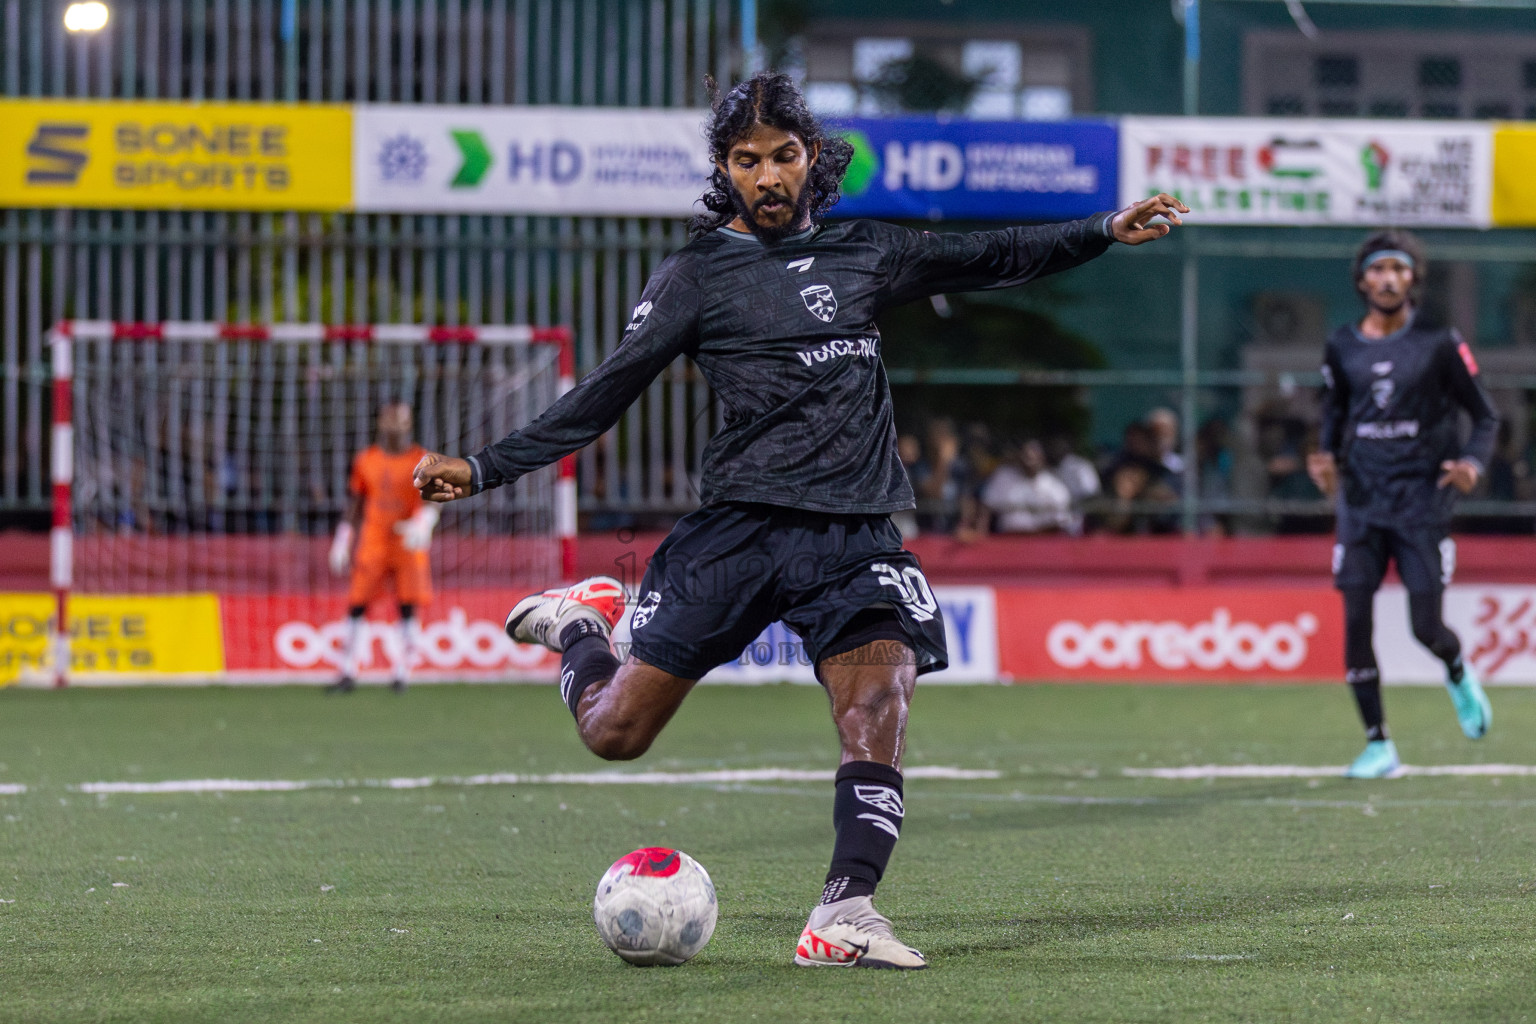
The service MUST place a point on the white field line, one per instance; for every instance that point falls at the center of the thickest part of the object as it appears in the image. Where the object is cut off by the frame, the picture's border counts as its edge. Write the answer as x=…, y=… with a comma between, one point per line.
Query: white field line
x=12, y=789
x=1295, y=771
x=724, y=777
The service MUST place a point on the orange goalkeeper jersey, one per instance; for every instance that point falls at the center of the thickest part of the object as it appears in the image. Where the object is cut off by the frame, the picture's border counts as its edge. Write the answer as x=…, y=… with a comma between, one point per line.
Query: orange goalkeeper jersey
x=389, y=495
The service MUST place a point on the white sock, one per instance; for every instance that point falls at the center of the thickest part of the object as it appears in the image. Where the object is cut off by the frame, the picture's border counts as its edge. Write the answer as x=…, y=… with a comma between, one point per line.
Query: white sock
x=410, y=633
x=352, y=653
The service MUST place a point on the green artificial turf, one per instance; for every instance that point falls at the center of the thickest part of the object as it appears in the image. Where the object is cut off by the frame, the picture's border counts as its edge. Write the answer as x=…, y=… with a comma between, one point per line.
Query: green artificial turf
x=1063, y=890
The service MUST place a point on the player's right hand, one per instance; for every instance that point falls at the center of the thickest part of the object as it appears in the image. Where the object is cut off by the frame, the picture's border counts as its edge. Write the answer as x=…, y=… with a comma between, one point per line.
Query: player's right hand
x=441, y=477
x=1323, y=471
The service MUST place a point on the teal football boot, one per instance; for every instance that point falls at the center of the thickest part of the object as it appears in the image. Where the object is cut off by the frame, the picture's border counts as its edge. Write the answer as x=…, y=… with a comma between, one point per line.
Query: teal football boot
x=1472, y=708
x=1377, y=761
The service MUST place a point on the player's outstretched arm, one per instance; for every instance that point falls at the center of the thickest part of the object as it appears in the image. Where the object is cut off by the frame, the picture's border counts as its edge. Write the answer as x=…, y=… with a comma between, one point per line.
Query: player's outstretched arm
x=1140, y=222
x=441, y=477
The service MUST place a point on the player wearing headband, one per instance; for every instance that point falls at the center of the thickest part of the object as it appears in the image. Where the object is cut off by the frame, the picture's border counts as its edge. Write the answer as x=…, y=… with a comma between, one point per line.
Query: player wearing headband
x=1391, y=452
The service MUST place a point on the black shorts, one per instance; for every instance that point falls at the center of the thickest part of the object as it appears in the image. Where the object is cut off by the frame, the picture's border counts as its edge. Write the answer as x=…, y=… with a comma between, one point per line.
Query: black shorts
x=728, y=571
x=1425, y=556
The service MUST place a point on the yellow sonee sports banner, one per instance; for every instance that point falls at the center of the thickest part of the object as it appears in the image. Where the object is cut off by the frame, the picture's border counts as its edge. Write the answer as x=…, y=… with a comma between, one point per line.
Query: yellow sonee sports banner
x=153, y=155
x=163, y=635
x=1514, y=186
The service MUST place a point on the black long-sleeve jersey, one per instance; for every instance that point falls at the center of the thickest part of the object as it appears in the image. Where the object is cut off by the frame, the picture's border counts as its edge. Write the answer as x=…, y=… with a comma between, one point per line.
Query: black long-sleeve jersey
x=785, y=335
x=1391, y=417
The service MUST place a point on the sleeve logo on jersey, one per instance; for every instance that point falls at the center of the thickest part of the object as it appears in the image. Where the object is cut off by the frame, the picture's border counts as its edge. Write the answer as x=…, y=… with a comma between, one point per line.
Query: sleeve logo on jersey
x=1465, y=351
x=638, y=319
x=1381, y=392
x=820, y=301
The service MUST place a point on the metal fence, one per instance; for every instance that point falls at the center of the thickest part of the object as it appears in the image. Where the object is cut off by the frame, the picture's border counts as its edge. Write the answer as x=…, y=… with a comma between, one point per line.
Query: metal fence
x=584, y=271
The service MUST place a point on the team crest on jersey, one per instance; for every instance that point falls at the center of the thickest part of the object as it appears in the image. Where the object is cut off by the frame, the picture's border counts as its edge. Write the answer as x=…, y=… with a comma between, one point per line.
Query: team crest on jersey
x=1381, y=391
x=820, y=301
x=645, y=610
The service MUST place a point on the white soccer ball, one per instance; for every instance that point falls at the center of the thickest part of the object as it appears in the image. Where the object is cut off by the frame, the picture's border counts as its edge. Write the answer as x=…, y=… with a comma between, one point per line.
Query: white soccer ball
x=655, y=906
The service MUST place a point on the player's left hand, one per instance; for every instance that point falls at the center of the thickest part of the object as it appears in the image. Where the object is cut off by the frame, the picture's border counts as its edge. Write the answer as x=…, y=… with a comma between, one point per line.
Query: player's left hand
x=1133, y=225
x=1461, y=474
x=442, y=478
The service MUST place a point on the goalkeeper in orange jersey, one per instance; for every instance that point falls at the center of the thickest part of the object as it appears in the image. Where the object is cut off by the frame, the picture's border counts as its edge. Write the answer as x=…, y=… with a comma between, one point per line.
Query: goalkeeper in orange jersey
x=392, y=528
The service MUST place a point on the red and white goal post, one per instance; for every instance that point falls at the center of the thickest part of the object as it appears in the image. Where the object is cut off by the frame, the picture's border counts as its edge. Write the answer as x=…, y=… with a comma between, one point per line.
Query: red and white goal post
x=199, y=470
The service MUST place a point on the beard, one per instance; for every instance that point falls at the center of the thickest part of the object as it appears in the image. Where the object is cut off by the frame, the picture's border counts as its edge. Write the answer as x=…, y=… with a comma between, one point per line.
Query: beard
x=1387, y=304
x=771, y=233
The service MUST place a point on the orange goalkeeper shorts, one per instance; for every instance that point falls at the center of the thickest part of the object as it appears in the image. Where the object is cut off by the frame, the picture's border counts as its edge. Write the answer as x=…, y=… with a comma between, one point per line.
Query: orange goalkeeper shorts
x=410, y=572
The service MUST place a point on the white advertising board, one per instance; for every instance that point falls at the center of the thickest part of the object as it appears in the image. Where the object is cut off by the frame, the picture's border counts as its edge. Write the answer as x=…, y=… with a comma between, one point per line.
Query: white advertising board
x=576, y=161
x=1309, y=172
x=970, y=632
x=1496, y=624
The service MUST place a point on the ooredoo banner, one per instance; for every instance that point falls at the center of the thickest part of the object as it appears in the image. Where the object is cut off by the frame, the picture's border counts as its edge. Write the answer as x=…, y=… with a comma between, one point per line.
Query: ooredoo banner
x=1304, y=172
x=1194, y=635
x=534, y=160
x=277, y=638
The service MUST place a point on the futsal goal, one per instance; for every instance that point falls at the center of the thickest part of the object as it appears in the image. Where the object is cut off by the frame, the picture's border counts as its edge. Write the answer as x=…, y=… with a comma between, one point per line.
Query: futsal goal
x=200, y=469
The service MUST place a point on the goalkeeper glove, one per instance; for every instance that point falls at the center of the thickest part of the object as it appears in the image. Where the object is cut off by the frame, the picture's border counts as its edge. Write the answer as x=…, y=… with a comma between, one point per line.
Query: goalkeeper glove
x=416, y=532
x=341, y=549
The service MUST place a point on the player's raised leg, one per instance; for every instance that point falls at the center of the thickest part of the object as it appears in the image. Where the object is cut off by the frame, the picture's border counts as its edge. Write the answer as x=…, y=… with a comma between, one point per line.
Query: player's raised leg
x=1473, y=712
x=619, y=709
x=870, y=688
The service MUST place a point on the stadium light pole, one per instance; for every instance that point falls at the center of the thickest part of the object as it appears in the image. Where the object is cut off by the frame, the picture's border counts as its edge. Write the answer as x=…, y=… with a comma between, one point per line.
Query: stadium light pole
x=1189, y=294
x=86, y=17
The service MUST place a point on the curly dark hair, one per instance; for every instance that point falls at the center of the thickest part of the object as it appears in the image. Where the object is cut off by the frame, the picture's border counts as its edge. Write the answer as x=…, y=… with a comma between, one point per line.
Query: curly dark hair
x=772, y=99
x=1403, y=241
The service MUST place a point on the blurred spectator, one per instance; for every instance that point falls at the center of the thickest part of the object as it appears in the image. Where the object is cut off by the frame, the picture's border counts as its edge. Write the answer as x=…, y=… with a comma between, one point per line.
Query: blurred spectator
x=1285, y=444
x=1213, y=448
x=1136, y=476
x=1023, y=496
x=939, y=478
x=1164, y=424
x=1076, y=472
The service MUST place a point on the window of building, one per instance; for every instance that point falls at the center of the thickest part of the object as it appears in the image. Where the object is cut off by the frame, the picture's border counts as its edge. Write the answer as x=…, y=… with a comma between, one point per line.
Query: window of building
x=1389, y=74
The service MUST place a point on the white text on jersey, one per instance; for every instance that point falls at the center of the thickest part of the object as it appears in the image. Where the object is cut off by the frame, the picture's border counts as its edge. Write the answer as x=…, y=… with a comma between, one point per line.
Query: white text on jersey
x=864, y=348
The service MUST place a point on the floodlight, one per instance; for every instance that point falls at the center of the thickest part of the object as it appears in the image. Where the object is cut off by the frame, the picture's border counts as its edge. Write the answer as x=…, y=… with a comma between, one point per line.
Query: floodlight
x=86, y=17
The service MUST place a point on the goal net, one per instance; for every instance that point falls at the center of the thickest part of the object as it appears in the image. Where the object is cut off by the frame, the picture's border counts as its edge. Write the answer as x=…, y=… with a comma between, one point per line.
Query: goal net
x=208, y=469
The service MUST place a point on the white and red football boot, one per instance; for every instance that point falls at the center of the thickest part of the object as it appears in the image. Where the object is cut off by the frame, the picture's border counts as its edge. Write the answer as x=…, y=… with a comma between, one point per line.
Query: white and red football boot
x=852, y=933
x=541, y=618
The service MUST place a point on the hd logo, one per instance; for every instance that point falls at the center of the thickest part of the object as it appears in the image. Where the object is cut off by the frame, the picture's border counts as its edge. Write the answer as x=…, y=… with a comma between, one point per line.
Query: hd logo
x=57, y=153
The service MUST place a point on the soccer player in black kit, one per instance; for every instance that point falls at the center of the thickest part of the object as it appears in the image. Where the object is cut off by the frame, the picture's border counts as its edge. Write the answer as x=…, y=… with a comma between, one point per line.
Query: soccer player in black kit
x=778, y=312
x=1392, y=451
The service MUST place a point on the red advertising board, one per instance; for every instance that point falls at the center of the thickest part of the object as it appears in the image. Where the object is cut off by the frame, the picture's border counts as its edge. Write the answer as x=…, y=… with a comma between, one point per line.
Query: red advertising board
x=287, y=637
x=1195, y=634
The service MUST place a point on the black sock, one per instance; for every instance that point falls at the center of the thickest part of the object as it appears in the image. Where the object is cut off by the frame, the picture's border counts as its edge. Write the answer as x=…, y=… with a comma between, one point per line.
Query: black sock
x=866, y=813
x=1456, y=669
x=587, y=659
x=1365, y=683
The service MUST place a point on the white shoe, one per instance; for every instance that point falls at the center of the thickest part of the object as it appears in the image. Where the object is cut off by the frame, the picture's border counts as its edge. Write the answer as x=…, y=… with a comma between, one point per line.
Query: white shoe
x=541, y=618
x=852, y=933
